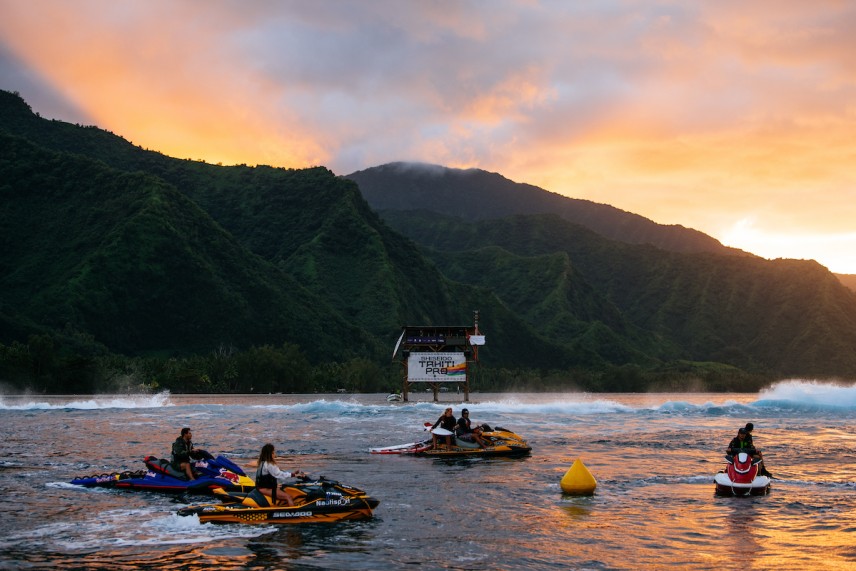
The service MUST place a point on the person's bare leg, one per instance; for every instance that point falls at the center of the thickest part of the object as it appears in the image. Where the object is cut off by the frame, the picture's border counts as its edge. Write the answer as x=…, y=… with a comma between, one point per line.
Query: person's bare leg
x=188, y=470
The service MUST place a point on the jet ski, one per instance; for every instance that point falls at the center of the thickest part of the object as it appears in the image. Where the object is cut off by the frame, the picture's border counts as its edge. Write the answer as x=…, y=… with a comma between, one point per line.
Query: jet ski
x=741, y=477
x=159, y=476
x=315, y=501
x=498, y=442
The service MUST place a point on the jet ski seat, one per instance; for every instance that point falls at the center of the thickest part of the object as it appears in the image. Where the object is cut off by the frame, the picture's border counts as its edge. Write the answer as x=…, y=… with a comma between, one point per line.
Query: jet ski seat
x=259, y=498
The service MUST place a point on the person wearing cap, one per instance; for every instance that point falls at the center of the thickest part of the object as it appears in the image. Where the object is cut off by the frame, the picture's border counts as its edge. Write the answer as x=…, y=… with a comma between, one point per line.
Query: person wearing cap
x=447, y=421
x=465, y=431
x=740, y=444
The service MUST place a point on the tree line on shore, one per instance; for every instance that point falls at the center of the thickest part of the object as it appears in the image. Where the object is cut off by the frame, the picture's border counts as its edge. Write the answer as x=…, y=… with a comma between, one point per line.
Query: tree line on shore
x=44, y=365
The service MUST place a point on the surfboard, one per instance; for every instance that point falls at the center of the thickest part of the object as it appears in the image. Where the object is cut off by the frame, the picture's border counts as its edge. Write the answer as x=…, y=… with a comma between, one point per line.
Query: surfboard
x=409, y=448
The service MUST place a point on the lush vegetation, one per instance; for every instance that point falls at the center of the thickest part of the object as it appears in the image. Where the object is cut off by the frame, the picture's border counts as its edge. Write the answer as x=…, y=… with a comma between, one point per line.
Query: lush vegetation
x=782, y=317
x=43, y=365
x=124, y=270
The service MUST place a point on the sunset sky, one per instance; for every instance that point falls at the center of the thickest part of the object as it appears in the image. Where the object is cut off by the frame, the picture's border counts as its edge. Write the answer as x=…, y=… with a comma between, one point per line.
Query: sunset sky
x=735, y=118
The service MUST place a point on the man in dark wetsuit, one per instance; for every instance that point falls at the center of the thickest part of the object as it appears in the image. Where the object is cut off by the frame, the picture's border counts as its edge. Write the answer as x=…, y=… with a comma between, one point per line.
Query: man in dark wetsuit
x=182, y=449
x=465, y=430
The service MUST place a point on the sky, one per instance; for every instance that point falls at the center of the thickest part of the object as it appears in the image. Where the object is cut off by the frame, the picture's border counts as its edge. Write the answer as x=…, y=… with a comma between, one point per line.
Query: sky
x=734, y=118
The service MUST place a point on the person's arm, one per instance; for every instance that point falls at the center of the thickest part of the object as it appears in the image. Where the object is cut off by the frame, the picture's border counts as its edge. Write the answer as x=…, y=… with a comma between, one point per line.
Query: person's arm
x=280, y=475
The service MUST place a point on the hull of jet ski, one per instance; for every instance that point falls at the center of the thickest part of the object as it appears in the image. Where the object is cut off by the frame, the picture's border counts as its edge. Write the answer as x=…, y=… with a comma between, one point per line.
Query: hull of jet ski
x=159, y=476
x=741, y=477
x=322, y=501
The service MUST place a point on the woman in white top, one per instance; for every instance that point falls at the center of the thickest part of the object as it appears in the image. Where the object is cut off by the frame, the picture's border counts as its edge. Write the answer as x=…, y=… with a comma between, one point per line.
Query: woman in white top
x=269, y=476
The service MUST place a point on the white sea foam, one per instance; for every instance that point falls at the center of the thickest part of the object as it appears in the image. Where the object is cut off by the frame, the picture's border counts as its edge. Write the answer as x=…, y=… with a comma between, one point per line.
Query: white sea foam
x=804, y=393
x=95, y=402
x=110, y=528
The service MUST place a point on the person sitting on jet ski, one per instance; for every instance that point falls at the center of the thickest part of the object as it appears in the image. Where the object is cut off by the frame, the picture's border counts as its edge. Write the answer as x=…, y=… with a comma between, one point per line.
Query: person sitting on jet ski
x=740, y=444
x=269, y=476
x=447, y=421
x=743, y=444
x=182, y=450
x=465, y=430
x=749, y=428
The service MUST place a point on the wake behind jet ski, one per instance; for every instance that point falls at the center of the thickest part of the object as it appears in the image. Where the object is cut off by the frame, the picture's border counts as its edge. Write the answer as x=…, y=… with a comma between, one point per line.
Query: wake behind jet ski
x=159, y=476
x=315, y=501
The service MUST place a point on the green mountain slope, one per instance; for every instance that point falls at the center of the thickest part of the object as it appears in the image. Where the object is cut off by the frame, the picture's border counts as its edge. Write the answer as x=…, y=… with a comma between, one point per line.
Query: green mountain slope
x=326, y=248
x=474, y=194
x=150, y=254
x=125, y=257
x=786, y=316
x=307, y=222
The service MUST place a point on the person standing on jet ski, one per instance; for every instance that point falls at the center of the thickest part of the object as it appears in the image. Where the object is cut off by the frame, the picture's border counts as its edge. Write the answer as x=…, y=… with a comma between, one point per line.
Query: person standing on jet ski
x=182, y=449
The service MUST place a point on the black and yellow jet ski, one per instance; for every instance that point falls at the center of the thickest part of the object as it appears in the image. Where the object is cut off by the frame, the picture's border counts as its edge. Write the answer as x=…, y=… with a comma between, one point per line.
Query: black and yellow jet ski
x=498, y=442
x=315, y=501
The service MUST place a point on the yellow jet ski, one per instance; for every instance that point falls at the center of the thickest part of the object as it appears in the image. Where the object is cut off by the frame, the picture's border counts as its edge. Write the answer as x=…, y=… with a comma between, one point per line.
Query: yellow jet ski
x=498, y=442
x=315, y=501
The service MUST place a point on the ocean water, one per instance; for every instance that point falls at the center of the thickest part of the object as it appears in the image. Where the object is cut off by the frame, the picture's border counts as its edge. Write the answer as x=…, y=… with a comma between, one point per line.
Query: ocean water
x=654, y=457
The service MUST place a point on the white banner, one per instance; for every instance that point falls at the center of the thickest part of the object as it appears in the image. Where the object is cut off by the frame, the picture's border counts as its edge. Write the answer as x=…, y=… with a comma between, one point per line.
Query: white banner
x=437, y=368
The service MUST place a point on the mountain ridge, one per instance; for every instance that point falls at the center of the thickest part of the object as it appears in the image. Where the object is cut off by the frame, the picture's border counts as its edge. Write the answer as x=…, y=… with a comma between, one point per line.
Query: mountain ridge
x=475, y=194
x=138, y=252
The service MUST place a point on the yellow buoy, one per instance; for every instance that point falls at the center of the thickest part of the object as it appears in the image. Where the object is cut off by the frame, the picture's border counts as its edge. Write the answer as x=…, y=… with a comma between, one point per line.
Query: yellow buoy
x=578, y=480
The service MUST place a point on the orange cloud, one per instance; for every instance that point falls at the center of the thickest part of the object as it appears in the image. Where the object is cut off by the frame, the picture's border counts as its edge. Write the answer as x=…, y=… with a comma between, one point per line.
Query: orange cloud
x=705, y=115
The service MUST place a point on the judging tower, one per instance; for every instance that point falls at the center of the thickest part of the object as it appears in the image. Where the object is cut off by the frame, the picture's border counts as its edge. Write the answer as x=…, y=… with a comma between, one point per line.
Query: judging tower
x=435, y=356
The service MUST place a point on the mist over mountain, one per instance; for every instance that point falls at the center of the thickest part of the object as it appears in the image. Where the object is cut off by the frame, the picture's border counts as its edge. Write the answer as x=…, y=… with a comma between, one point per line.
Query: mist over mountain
x=474, y=194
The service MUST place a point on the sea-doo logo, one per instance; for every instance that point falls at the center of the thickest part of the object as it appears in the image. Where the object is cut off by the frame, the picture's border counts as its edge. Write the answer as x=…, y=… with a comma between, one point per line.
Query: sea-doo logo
x=201, y=464
x=151, y=474
x=291, y=514
x=102, y=479
x=231, y=476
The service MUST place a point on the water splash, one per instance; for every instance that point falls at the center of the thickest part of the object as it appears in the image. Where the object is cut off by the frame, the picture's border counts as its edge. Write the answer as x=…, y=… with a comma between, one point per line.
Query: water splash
x=803, y=394
x=95, y=402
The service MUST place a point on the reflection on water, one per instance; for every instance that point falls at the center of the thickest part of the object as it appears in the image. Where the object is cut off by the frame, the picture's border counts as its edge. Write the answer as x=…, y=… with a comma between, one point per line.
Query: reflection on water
x=577, y=512
x=654, y=457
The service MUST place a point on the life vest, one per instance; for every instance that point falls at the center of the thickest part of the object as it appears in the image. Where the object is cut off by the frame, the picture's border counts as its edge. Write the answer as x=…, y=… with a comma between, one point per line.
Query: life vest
x=265, y=480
